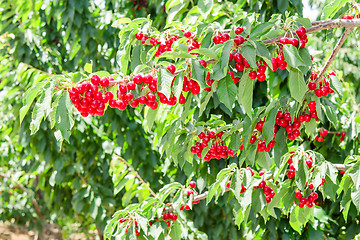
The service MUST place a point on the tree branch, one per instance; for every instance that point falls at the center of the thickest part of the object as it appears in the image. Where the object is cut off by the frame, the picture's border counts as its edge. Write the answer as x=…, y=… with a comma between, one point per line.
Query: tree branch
x=136, y=174
x=333, y=54
x=36, y=205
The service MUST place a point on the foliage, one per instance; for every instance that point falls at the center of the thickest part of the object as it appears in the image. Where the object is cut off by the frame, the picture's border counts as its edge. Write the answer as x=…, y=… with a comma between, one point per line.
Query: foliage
x=71, y=164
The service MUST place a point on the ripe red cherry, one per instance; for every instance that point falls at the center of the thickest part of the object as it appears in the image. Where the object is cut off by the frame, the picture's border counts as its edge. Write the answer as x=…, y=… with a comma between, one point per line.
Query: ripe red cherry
x=187, y=34
x=225, y=37
x=95, y=79
x=195, y=90
x=282, y=65
x=230, y=152
x=301, y=31
x=166, y=216
x=291, y=174
x=238, y=57
x=203, y=63
x=261, y=69
x=187, y=207
x=312, y=86
x=182, y=99
x=139, y=36
x=171, y=68
x=289, y=129
x=228, y=184
x=311, y=186
x=138, y=79
x=217, y=39
x=262, y=184
x=131, y=85
x=324, y=133
x=298, y=195
x=294, y=42
x=252, y=139
x=192, y=184
x=309, y=204
x=239, y=30
x=261, y=172
x=104, y=82
x=238, y=40
x=284, y=40
x=252, y=75
x=173, y=216
x=261, y=77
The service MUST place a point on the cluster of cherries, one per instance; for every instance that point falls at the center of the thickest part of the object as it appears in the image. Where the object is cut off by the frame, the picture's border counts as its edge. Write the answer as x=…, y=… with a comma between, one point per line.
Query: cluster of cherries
x=129, y=220
x=268, y=191
x=170, y=39
x=189, y=192
x=323, y=89
x=223, y=37
x=89, y=98
x=217, y=149
x=303, y=39
x=349, y=17
x=291, y=173
x=302, y=201
x=323, y=133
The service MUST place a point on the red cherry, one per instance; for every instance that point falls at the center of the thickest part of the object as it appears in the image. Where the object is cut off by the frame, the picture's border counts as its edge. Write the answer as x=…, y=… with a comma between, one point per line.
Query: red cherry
x=217, y=39
x=238, y=40
x=95, y=79
x=252, y=75
x=225, y=37
x=284, y=40
x=228, y=184
x=324, y=133
x=294, y=42
x=261, y=77
x=187, y=207
x=291, y=174
x=187, y=34
x=298, y=195
x=138, y=79
x=311, y=186
x=312, y=86
x=282, y=65
x=104, y=82
x=139, y=36
x=192, y=184
x=203, y=63
x=261, y=172
x=171, y=68
x=239, y=30
x=309, y=204
x=301, y=31
x=131, y=85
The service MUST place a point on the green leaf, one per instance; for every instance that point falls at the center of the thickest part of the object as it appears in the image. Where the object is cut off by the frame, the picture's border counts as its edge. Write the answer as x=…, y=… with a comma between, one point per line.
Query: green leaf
x=227, y=92
x=330, y=114
x=310, y=127
x=206, y=52
x=204, y=102
x=301, y=175
x=29, y=97
x=88, y=67
x=268, y=128
x=164, y=83
x=42, y=107
x=212, y=190
x=249, y=53
x=247, y=96
x=173, y=55
x=198, y=73
x=336, y=85
x=299, y=217
x=292, y=56
x=121, y=21
x=297, y=85
x=64, y=119
x=224, y=58
x=354, y=173
x=205, y=7
x=282, y=5
x=333, y=7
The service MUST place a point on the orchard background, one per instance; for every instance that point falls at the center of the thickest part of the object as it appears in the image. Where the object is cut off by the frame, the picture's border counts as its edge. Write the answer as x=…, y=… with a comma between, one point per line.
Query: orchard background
x=181, y=119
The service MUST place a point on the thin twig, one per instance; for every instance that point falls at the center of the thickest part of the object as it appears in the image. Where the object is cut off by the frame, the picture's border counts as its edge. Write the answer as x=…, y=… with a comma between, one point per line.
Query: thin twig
x=333, y=54
x=136, y=174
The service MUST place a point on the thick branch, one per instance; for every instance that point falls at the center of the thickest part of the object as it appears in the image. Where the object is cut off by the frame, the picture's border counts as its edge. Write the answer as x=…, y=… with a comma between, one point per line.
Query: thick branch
x=136, y=174
x=36, y=205
x=333, y=54
x=323, y=25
